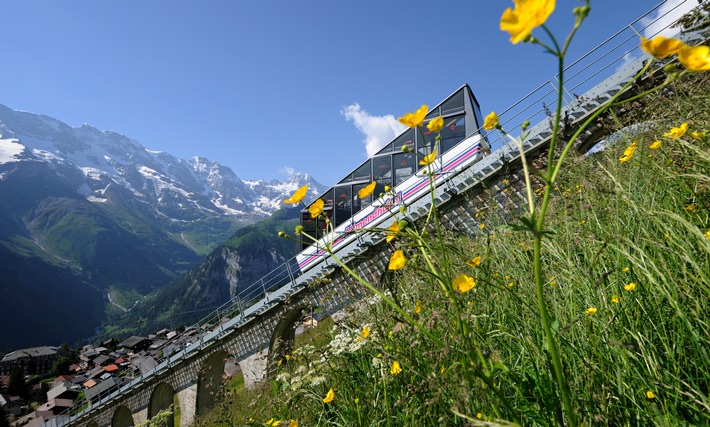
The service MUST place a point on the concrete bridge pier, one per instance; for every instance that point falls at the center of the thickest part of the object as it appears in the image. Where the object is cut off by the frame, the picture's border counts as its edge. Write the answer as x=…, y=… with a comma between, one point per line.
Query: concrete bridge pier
x=254, y=368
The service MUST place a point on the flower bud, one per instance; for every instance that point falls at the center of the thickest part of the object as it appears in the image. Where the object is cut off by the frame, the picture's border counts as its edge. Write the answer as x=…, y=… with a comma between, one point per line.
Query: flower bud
x=526, y=124
x=299, y=230
x=581, y=12
x=282, y=234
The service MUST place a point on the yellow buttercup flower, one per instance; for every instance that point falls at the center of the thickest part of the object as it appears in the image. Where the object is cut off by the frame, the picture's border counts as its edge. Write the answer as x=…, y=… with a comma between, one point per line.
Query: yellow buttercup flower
x=463, y=283
x=650, y=395
x=698, y=135
x=396, y=368
x=397, y=261
x=655, y=145
x=392, y=231
x=329, y=396
x=414, y=119
x=625, y=270
x=428, y=159
x=491, y=121
x=591, y=310
x=676, y=133
x=418, y=306
x=696, y=58
x=436, y=124
x=475, y=262
x=365, y=333
x=298, y=195
x=527, y=15
x=660, y=47
x=316, y=208
x=630, y=287
x=293, y=423
x=366, y=190
x=629, y=152
x=707, y=234
x=615, y=299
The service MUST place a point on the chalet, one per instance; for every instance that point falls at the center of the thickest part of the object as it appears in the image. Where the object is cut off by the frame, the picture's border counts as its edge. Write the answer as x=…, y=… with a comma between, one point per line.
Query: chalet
x=104, y=389
x=34, y=361
x=143, y=364
x=11, y=404
x=101, y=360
x=35, y=419
x=136, y=343
x=56, y=406
x=63, y=390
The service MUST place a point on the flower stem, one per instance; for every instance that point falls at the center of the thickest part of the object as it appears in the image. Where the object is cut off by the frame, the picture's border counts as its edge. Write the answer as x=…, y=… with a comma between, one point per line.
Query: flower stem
x=389, y=302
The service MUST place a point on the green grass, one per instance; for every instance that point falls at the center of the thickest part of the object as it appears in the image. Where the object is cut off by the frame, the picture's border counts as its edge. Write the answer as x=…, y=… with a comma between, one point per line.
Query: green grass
x=632, y=355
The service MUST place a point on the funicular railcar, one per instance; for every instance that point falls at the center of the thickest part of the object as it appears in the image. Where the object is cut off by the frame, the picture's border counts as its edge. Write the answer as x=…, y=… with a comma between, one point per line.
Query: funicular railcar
x=463, y=141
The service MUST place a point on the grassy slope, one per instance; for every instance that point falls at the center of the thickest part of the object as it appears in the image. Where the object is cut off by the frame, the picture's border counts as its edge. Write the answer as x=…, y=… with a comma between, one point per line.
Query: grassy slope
x=642, y=357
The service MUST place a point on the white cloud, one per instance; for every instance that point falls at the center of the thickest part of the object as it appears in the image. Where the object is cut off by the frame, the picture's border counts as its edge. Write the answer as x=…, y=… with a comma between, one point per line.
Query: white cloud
x=667, y=14
x=287, y=170
x=378, y=130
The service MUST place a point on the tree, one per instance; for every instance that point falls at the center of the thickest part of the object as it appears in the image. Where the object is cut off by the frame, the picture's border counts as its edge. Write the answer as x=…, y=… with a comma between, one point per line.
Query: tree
x=17, y=386
x=61, y=366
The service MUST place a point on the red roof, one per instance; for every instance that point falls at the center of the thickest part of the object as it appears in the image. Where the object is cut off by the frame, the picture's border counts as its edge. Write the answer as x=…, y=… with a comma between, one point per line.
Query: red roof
x=110, y=368
x=89, y=383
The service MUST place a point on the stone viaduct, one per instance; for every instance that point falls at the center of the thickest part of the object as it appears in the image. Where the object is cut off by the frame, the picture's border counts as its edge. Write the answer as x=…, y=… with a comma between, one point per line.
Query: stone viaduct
x=192, y=379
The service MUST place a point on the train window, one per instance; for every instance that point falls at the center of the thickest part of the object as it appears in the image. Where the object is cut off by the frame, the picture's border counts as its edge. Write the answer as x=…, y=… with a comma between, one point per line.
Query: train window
x=343, y=204
x=363, y=173
x=407, y=138
x=453, y=132
x=453, y=104
x=433, y=113
x=404, y=167
x=382, y=173
x=386, y=149
x=348, y=178
x=309, y=228
x=327, y=199
x=382, y=170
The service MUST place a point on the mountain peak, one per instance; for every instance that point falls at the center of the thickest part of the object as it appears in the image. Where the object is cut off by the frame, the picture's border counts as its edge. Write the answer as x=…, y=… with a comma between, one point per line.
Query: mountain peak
x=178, y=188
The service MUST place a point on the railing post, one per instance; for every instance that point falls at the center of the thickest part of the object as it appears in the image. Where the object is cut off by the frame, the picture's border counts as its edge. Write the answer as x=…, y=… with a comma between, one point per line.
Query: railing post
x=289, y=272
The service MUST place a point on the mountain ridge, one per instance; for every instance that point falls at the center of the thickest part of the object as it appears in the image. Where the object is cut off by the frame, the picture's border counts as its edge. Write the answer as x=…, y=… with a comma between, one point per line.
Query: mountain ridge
x=110, y=216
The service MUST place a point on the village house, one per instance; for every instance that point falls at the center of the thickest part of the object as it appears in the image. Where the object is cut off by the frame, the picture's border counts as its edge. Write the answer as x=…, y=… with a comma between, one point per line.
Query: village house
x=34, y=361
x=11, y=404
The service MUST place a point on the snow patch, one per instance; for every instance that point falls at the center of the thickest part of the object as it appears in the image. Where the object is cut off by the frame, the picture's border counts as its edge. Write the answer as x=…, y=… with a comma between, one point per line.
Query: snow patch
x=47, y=156
x=10, y=149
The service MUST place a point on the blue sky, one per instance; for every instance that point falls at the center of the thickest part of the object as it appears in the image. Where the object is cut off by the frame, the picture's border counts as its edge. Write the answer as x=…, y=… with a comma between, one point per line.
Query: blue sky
x=270, y=87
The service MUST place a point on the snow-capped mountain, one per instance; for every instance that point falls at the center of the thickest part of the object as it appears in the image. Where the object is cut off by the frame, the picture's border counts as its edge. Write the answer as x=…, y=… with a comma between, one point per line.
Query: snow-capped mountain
x=178, y=189
x=91, y=221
